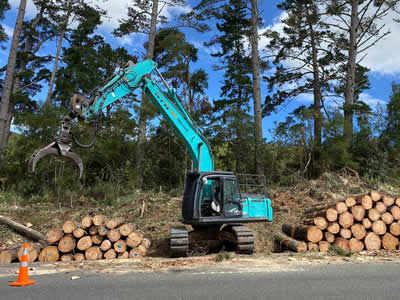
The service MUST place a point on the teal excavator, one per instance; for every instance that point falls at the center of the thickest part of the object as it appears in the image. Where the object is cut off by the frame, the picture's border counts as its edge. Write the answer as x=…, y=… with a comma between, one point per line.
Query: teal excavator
x=215, y=204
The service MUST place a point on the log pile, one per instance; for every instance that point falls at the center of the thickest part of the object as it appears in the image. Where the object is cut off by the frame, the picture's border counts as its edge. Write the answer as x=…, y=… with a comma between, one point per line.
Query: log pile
x=94, y=238
x=367, y=222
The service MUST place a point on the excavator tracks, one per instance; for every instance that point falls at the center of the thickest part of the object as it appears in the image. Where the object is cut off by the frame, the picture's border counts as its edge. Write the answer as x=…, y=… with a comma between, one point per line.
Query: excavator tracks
x=178, y=242
x=239, y=238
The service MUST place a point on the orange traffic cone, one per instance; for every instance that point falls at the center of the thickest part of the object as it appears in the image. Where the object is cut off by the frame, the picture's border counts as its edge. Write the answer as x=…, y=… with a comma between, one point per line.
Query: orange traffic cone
x=23, y=279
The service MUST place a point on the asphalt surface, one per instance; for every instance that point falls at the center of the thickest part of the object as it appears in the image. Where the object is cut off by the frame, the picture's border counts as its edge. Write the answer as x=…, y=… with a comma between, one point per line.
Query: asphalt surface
x=347, y=281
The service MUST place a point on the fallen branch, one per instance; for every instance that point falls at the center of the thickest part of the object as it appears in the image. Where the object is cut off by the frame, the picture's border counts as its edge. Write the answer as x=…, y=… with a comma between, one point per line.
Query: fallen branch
x=23, y=230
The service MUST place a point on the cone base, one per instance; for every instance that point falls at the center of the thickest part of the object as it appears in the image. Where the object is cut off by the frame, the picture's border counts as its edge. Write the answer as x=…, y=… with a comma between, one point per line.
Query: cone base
x=23, y=283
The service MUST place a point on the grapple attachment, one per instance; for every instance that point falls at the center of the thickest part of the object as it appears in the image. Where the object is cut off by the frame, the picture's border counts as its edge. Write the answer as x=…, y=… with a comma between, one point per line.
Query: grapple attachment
x=61, y=146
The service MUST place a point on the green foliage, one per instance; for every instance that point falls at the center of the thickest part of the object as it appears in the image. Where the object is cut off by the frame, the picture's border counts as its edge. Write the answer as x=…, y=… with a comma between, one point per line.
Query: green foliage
x=4, y=6
x=339, y=251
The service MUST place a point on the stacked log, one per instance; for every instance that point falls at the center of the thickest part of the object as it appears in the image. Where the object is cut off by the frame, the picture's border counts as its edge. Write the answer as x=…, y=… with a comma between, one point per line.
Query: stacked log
x=366, y=222
x=93, y=238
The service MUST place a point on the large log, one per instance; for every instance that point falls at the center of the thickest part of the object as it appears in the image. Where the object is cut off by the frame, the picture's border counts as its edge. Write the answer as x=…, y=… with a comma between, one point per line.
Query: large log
x=330, y=214
x=341, y=207
x=33, y=251
x=366, y=223
x=358, y=231
x=23, y=230
x=395, y=211
x=342, y=243
x=54, y=235
x=87, y=222
x=389, y=201
x=84, y=243
x=395, y=229
x=103, y=231
x=319, y=207
x=134, y=239
x=381, y=207
x=287, y=243
x=320, y=222
x=305, y=233
x=329, y=237
x=312, y=247
x=110, y=254
x=105, y=245
x=126, y=229
x=136, y=253
x=69, y=227
x=114, y=223
x=67, y=243
x=350, y=202
x=358, y=212
x=379, y=227
x=97, y=239
x=67, y=257
x=78, y=233
x=397, y=201
x=49, y=254
x=355, y=245
x=113, y=235
x=366, y=202
x=93, y=230
x=323, y=246
x=372, y=241
x=120, y=246
x=346, y=219
x=389, y=242
x=333, y=228
x=99, y=220
x=8, y=256
x=387, y=217
x=123, y=255
x=79, y=257
x=374, y=215
x=345, y=233
x=93, y=253
x=375, y=196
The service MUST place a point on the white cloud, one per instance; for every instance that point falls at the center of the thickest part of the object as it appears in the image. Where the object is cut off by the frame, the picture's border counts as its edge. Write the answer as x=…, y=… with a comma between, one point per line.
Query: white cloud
x=371, y=101
x=30, y=7
x=9, y=30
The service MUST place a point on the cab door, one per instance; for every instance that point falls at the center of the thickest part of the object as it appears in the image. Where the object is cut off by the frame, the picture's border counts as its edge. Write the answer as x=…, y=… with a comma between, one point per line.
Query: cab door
x=232, y=202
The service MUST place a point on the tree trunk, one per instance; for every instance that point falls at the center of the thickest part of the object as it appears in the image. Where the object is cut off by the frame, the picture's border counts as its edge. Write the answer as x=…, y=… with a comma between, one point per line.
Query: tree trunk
x=142, y=112
x=304, y=233
x=55, y=66
x=9, y=78
x=49, y=254
x=317, y=105
x=23, y=230
x=67, y=243
x=351, y=74
x=255, y=61
x=54, y=235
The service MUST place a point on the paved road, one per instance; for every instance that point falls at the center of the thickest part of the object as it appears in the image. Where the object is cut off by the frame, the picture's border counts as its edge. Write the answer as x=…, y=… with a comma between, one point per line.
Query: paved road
x=349, y=281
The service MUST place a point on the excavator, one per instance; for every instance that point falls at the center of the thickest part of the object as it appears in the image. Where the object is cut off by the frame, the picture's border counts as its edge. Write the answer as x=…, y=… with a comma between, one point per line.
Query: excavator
x=213, y=203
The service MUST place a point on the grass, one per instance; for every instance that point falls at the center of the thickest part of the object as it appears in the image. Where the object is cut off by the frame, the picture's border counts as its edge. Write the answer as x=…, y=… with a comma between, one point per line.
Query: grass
x=222, y=256
x=339, y=251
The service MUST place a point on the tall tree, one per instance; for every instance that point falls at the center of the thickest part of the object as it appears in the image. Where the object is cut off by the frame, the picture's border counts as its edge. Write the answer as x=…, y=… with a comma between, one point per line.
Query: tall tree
x=236, y=91
x=304, y=65
x=255, y=60
x=8, y=81
x=4, y=6
x=357, y=22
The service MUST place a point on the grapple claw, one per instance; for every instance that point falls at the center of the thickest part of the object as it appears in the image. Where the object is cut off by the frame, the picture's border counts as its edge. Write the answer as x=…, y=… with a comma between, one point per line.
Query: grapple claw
x=52, y=149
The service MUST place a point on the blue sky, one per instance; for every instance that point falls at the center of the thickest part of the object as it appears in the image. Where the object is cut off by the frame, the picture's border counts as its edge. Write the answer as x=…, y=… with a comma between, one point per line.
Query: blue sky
x=383, y=59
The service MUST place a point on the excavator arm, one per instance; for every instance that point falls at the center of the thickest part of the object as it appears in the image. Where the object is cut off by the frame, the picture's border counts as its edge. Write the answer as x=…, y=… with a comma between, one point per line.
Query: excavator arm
x=125, y=82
